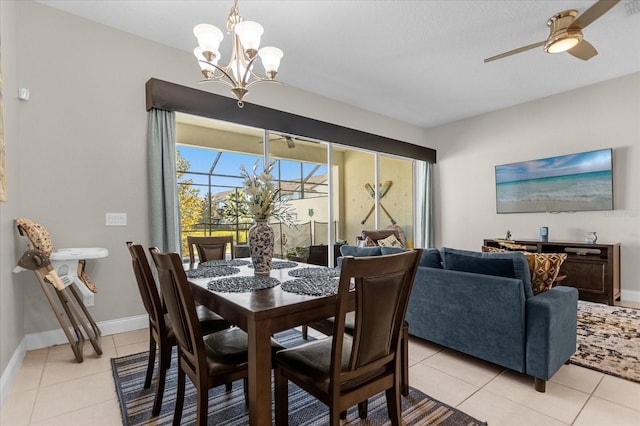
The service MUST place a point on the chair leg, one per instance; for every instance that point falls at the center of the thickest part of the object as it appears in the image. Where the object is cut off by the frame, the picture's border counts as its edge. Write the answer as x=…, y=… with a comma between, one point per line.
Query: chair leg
x=202, y=404
x=335, y=416
x=281, y=397
x=177, y=415
x=163, y=365
x=393, y=405
x=152, y=361
x=363, y=407
x=245, y=386
x=404, y=349
x=305, y=332
x=228, y=386
x=540, y=385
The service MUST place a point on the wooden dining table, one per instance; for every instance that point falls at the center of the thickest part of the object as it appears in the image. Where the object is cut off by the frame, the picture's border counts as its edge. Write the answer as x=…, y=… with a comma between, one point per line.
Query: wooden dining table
x=261, y=313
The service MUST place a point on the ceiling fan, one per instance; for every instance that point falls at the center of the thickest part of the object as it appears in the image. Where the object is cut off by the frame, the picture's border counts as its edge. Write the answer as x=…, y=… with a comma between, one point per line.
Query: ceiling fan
x=566, y=33
x=289, y=139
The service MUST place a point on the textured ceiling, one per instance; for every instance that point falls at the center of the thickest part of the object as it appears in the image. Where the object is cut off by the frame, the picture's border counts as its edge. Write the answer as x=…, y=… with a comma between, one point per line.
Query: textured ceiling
x=420, y=62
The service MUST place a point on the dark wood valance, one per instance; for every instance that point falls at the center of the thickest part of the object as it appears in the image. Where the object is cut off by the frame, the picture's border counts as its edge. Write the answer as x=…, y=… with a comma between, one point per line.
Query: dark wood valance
x=174, y=97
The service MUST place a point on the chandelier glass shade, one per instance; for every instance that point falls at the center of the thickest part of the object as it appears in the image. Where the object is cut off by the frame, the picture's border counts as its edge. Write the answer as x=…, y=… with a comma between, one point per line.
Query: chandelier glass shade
x=239, y=72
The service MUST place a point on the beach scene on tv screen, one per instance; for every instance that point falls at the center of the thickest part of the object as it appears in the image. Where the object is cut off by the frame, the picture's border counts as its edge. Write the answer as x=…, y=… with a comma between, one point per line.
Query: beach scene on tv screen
x=575, y=182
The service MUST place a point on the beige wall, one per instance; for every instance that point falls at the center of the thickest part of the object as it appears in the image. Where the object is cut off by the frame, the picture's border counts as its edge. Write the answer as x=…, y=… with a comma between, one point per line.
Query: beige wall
x=11, y=290
x=399, y=198
x=600, y=116
x=359, y=168
x=77, y=149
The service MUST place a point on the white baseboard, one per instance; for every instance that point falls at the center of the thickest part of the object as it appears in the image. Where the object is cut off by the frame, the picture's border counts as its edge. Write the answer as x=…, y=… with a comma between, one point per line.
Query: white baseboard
x=630, y=295
x=45, y=339
x=57, y=337
x=9, y=373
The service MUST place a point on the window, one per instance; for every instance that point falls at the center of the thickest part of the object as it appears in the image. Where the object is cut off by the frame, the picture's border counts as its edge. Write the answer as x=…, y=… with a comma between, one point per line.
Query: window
x=329, y=186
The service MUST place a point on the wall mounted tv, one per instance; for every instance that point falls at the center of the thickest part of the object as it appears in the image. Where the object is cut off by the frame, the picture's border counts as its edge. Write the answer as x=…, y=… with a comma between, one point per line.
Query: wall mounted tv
x=566, y=183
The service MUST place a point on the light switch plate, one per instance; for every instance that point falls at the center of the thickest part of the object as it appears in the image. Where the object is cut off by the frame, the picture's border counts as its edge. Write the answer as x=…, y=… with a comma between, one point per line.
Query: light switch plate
x=116, y=219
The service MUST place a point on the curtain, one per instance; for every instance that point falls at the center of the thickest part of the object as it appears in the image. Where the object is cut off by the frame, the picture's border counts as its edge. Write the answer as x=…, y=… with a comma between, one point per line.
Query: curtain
x=425, y=227
x=163, y=186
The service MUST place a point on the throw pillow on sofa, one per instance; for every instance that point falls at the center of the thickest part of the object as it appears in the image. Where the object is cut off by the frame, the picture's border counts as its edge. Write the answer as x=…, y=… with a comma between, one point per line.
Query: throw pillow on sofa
x=431, y=258
x=510, y=264
x=390, y=241
x=367, y=242
x=544, y=269
x=489, y=249
x=481, y=265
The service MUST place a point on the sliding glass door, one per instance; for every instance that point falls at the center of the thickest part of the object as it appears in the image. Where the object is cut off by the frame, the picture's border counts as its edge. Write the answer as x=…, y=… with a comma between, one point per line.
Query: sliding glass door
x=335, y=191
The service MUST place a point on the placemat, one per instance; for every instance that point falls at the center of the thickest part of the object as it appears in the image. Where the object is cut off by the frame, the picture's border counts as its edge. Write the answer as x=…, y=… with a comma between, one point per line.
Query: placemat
x=242, y=284
x=315, y=272
x=218, y=271
x=312, y=286
x=224, y=262
x=279, y=264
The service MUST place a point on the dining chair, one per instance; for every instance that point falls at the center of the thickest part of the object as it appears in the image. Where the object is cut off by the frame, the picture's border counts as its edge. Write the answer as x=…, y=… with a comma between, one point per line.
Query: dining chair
x=161, y=333
x=209, y=248
x=318, y=255
x=325, y=326
x=209, y=361
x=344, y=370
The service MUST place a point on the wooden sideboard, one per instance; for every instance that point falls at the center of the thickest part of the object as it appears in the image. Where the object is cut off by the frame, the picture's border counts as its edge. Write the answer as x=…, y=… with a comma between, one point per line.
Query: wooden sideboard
x=594, y=269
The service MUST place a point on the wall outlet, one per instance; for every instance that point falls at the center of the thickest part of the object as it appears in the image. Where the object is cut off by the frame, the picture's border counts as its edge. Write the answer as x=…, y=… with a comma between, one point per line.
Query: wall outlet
x=116, y=219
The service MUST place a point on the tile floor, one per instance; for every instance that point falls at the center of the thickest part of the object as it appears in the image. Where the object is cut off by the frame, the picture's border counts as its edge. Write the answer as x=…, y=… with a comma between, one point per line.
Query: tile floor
x=51, y=389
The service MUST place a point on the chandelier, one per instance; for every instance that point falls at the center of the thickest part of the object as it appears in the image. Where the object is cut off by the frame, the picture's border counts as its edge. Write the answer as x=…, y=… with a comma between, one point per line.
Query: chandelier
x=238, y=73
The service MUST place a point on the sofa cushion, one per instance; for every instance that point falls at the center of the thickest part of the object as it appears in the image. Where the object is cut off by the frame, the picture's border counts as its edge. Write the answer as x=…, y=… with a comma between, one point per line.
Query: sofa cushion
x=391, y=250
x=455, y=259
x=347, y=250
x=544, y=269
x=431, y=258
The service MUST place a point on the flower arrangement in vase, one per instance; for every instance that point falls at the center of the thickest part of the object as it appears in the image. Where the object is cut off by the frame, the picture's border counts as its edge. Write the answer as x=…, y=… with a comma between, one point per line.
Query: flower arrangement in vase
x=262, y=197
x=261, y=200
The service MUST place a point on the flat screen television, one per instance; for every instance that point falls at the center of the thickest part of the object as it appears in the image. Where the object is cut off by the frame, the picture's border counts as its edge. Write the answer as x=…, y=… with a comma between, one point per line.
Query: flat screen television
x=566, y=183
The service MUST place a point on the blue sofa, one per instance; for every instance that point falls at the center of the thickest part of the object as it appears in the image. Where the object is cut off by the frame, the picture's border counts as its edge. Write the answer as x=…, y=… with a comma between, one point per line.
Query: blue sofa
x=482, y=304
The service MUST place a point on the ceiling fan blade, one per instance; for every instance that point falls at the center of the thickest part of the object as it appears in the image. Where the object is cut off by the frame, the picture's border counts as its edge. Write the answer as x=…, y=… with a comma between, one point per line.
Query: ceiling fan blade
x=594, y=12
x=583, y=50
x=514, y=51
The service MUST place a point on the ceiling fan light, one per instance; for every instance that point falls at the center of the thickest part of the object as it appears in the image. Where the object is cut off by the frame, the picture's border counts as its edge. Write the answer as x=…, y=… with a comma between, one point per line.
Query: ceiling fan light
x=563, y=41
x=249, y=33
x=209, y=37
x=563, y=45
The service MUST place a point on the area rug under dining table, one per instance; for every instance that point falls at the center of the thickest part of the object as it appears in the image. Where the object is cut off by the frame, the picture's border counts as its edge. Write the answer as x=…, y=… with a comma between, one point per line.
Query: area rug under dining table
x=228, y=408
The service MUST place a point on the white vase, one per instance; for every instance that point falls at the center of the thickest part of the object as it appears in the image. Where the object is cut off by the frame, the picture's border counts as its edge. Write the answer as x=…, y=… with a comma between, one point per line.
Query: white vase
x=591, y=238
x=261, y=242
